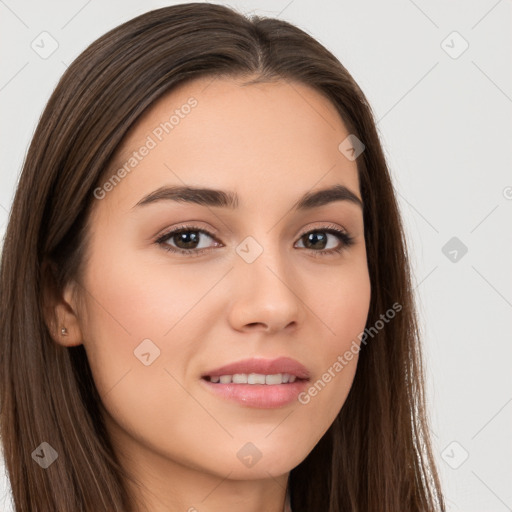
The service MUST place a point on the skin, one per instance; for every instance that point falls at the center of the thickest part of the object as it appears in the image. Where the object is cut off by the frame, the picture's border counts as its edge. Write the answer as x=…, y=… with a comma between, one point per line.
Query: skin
x=270, y=143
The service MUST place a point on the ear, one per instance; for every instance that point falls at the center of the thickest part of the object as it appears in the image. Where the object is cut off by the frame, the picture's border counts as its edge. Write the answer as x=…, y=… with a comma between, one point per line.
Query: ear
x=60, y=309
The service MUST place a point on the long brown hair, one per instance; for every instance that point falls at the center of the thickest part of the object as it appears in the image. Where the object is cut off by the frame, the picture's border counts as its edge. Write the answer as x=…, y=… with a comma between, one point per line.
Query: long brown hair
x=376, y=455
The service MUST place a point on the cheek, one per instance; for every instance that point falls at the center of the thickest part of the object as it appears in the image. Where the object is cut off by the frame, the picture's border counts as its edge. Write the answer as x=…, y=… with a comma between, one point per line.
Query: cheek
x=140, y=335
x=340, y=299
x=341, y=308
x=139, y=320
x=146, y=300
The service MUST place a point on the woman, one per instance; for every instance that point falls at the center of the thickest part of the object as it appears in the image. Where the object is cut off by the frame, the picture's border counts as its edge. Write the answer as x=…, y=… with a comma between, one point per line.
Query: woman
x=205, y=290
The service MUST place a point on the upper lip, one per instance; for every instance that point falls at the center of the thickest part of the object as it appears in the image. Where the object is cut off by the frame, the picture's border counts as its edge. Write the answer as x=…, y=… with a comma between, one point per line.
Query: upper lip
x=261, y=366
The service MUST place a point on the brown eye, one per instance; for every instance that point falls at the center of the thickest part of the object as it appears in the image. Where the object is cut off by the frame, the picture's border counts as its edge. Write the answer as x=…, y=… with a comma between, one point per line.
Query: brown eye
x=185, y=239
x=318, y=239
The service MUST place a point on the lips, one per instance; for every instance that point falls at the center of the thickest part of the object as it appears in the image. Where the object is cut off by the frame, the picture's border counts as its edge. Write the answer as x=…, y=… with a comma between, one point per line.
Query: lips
x=261, y=366
x=258, y=383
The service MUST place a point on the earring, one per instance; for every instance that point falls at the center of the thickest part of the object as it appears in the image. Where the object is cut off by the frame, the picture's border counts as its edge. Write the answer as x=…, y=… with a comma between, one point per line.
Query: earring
x=64, y=331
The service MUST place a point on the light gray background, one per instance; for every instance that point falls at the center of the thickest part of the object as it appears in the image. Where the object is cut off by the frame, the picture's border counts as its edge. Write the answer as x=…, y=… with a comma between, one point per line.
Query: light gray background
x=446, y=127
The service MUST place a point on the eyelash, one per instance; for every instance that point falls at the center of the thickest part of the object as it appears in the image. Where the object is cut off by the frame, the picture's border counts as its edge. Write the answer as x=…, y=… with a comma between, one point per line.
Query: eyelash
x=344, y=237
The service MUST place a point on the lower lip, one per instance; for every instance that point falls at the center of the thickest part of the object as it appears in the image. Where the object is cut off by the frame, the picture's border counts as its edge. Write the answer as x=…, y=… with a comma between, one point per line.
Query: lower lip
x=260, y=396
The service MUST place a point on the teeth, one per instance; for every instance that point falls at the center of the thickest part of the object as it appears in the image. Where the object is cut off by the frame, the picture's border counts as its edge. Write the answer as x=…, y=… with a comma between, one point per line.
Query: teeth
x=274, y=379
x=254, y=378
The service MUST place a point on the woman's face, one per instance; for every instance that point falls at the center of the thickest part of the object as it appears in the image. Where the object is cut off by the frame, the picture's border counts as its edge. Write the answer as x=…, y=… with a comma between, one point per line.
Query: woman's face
x=254, y=283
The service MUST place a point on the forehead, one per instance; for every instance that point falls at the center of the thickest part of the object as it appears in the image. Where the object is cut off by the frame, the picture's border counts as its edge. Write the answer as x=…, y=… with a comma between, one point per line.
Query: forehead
x=220, y=133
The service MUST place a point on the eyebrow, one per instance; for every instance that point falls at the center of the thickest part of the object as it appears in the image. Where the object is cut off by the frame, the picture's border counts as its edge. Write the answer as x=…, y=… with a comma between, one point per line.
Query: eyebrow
x=223, y=199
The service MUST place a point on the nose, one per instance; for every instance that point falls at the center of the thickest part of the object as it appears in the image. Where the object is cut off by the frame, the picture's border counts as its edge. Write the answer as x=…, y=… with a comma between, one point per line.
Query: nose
x=265, y=295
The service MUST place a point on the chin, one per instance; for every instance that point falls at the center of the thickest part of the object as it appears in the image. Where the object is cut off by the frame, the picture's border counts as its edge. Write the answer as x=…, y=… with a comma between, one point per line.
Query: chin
x=268, y=459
